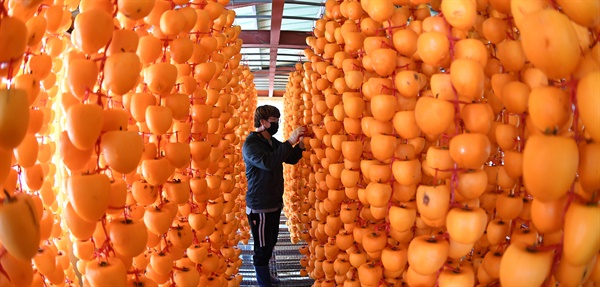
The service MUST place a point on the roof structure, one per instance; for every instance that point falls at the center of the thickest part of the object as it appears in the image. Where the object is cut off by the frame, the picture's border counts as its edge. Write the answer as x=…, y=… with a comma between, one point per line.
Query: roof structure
x=274, y=35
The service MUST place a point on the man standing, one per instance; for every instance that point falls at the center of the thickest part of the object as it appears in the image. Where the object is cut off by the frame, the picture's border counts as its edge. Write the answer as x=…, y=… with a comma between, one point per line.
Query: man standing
x=264, y=156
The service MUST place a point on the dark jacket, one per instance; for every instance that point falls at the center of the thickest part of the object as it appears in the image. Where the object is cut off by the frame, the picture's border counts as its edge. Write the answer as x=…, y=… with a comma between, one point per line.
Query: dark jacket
x=264, y=170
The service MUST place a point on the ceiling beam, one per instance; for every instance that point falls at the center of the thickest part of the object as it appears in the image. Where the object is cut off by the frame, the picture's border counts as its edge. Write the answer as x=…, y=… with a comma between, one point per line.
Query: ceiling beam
x=278, y=72
x=281, y=46
x=262, y=39
x=254, y=2
x=279, y=54
x=265, y=93
x=275, y=33
x=234, y=2
x=231, y=6
x=302, y=18
x=306, y=3
x=245, y=2
x=266, y=60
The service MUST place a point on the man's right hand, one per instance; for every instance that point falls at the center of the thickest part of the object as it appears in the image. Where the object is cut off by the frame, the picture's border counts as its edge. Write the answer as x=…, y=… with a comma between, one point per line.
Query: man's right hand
x=296, y=134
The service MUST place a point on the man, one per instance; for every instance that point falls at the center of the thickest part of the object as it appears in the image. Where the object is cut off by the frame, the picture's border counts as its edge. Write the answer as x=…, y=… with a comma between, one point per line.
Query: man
x=264, y=156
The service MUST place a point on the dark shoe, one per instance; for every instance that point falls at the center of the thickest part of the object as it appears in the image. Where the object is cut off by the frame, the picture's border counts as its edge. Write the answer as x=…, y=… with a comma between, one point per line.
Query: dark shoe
x=263, y=276
x=274, y=279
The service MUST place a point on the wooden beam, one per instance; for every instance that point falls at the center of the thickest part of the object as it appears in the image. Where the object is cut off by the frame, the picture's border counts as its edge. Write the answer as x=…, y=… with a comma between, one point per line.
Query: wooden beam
x=279, y=54
x=262, y=39
x=266, y=72
x=301, y=18
x=265, y=93
x=244, y=3
x=276, y=17
x=266, y=60
x=241, y=5
x=304, y=46
x=306, y=3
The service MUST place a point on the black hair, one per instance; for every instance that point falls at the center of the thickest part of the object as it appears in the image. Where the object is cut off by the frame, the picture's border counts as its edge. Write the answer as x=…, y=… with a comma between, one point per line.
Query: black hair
x=264, y=113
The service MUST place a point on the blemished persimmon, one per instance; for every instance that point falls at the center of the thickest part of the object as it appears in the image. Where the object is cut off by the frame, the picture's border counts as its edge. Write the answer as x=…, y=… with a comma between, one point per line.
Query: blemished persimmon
x=36, y=28
x=15, y=32
x=135, y=10
x=123, y=41
x=433, y=201
x=408, y=83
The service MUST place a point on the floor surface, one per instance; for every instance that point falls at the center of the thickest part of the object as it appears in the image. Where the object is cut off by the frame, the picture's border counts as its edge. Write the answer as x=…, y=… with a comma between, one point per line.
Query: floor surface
x=286, y=261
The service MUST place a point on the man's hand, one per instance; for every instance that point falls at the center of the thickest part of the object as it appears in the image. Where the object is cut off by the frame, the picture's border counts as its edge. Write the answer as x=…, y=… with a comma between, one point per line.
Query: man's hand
x=296, y=134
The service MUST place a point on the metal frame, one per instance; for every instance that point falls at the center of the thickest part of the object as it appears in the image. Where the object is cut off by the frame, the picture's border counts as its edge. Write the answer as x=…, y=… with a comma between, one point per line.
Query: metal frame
x=269, y=16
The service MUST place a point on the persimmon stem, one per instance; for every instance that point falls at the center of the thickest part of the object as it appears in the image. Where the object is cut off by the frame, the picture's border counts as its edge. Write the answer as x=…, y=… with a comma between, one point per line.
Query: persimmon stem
x=537, y=248
x=166, y=248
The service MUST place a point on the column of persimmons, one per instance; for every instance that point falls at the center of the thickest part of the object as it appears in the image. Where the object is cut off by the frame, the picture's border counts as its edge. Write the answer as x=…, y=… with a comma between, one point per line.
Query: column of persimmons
x=147, y=104
x=455, y=143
